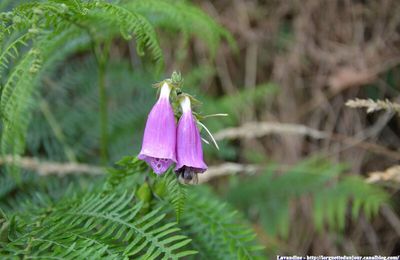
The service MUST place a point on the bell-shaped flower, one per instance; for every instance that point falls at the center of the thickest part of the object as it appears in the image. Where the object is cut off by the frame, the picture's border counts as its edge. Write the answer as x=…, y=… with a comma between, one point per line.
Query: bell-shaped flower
x=159, y=140
x=189, y=151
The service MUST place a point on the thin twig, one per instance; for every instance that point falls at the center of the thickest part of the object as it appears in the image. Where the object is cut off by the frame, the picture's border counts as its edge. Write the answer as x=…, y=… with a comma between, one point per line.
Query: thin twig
x=46, y=168
x=228, y=169
x=259, y=129
x=49, y=168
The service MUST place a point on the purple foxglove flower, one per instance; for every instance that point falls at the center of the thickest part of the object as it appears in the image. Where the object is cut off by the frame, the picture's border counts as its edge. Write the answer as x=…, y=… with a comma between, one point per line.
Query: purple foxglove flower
x=159, y=140
x=189, y=152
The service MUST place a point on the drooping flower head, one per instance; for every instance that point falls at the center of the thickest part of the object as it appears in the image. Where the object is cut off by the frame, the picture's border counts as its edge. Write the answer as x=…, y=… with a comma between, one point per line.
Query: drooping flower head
x=159, y=140
x=189, y=151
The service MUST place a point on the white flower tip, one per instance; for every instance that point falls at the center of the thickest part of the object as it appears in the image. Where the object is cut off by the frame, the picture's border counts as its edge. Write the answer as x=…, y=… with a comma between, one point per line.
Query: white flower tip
x=185, y=104
x=165, y=90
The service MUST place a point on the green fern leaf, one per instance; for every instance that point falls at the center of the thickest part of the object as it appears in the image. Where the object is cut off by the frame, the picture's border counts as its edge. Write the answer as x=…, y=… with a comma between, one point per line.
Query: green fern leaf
x=111, y=227
x=176, y=193
x=217, y=231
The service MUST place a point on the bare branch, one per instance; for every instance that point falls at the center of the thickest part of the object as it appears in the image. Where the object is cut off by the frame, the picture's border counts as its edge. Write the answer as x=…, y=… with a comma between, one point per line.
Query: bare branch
x=227, y=169
x=259, y=129
x=48, y=168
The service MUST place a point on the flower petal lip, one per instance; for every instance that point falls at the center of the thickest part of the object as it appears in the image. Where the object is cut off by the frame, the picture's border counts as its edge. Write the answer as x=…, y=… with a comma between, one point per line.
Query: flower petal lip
x=189, y=149
x=159, y=139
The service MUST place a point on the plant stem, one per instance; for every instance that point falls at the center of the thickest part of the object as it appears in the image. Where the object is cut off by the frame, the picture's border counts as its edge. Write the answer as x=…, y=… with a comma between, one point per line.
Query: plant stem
x=57, y=130
x=102, y=58
x=103, y=113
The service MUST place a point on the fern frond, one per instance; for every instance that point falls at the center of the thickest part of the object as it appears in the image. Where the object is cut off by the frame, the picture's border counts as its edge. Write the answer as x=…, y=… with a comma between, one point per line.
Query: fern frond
x=14, y=102
x=7, y=185
x=111, y=227
x=16, y=97
x=333, y=195
x=33, y=191
x=331, y=204
x=184, y=17
x=176, y=193
x=131, y=23
x=217, y=231
x=17, y=92
x=11, y=51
